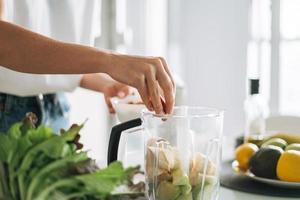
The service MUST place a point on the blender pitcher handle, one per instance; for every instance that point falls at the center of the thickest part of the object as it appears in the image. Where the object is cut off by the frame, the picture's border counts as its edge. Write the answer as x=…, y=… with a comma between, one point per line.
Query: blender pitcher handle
x=115, y=136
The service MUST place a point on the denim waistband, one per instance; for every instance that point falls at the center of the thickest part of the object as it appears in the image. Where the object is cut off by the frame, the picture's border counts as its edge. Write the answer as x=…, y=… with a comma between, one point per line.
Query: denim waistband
x=7, y=101
x=52, y=110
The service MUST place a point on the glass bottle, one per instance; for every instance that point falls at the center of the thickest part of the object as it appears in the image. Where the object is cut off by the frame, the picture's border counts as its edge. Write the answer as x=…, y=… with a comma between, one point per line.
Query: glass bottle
x=255, y=113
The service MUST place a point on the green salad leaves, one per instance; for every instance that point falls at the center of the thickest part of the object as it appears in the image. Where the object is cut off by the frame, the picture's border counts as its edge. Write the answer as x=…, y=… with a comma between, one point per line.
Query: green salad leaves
x=36, y=164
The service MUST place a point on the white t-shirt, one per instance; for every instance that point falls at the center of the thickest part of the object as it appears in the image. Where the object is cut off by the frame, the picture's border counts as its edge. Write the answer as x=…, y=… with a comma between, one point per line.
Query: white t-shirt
x=76, y=21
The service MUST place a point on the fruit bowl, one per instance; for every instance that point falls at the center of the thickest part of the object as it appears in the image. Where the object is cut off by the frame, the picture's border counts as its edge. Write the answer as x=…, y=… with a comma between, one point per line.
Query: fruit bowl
x=274, y=160
x=272, y=182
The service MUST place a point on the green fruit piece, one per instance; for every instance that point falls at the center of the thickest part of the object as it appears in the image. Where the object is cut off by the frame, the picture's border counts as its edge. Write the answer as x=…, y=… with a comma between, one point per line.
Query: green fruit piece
x=196, y=191
x=276, y=142
x=178, y=177
x=264, y=162
x=182, y=180
x=294, y=146
x=188, y=196
x=208, y=191
x=167, y=191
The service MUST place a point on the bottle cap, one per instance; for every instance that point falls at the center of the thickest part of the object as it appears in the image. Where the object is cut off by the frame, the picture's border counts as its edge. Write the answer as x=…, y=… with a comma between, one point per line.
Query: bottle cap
x=254, y=86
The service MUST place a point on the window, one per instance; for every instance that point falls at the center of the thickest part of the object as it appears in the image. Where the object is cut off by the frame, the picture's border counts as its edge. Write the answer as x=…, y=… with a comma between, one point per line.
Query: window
x=259, y=46
x=274, y=52
x=290, y=57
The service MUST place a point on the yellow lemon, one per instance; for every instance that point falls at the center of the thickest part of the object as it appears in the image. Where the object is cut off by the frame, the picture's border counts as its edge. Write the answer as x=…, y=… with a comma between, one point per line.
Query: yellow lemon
x=288, y=166
x=243, y=154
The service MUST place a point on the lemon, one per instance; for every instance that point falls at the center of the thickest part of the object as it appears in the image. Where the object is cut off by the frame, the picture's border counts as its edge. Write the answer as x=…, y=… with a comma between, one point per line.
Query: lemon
x=243, y=154
x=288, y=166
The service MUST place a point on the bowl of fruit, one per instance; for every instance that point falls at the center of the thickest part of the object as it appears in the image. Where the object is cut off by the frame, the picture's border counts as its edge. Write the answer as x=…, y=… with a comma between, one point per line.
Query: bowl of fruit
x=275, y=160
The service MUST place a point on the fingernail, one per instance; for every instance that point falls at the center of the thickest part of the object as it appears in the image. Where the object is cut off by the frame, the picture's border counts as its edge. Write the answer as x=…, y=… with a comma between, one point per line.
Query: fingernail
x=163, y=103
x=121, y=94
x=112, y=111
x=151, y=107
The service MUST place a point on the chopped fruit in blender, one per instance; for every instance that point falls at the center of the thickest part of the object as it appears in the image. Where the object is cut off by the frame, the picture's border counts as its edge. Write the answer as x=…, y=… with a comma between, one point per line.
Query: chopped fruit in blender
x=168, y=178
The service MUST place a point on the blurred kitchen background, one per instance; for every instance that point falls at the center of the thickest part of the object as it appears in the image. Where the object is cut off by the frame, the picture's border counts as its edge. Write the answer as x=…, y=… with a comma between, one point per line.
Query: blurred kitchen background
x=213, y=47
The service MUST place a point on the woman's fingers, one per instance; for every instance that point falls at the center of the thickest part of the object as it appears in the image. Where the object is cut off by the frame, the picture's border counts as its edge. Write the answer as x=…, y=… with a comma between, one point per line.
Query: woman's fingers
x=167, y=87
x=158, y=77
x=165, y=81
x=123, y=91
x=167, y=69
x=109, y=104
x=143, y=91
x=153, y=89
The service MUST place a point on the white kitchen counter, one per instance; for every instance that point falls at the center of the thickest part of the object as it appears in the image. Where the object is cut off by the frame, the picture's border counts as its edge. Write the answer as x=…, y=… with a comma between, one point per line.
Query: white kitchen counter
x=228, y=194
x=136, y=157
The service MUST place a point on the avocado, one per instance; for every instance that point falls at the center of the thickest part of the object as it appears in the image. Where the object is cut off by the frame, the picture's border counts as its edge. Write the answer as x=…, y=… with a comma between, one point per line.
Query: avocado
x=294, y=146
x=264, y=162
x=276, y=142
x=290, y=138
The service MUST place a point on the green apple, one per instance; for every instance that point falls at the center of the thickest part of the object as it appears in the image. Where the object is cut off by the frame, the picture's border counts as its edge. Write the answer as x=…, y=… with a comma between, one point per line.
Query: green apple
x=167, y=191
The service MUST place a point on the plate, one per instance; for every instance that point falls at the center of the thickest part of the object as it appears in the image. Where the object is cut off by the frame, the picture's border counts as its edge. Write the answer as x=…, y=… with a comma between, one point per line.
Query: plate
x=272, y=182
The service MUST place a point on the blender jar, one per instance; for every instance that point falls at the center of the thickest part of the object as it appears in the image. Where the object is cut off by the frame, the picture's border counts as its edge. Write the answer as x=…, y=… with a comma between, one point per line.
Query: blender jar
x=182, y=152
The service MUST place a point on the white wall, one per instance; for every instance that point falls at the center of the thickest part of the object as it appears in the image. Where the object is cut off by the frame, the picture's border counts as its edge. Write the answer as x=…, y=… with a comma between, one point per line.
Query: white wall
x=207, y=41
x=213, y=41
x=90, y=106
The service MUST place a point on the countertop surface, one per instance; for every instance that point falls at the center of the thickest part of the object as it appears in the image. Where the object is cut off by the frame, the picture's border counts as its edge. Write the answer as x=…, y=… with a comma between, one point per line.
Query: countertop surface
x=228, y=194
x=225, y=193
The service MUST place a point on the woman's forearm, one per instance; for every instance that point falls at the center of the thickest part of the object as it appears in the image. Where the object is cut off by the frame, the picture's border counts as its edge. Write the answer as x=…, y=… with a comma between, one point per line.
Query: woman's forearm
x=96, y=82
x=1, y=9
x=26, y=51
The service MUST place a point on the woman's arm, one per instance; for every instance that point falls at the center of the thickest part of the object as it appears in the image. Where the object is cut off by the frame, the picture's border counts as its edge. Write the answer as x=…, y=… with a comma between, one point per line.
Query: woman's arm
x=26, y=51
x=1, y=9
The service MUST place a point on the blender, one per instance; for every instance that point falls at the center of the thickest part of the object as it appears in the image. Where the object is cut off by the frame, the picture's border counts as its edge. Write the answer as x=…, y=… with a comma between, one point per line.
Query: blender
x=182, y=152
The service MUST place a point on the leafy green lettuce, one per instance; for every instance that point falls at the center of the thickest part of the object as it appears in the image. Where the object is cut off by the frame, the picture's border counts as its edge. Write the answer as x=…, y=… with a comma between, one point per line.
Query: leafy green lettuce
x=37, y=164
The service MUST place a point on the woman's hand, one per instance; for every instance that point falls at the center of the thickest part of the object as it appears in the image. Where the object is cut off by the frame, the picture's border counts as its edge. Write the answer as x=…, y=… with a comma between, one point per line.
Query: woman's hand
x=106, y=85
x=150, y=76
x=114, y=89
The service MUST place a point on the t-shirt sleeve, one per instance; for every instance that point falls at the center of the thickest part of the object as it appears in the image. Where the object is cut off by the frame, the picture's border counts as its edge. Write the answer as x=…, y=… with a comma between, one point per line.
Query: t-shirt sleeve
x=23, y=84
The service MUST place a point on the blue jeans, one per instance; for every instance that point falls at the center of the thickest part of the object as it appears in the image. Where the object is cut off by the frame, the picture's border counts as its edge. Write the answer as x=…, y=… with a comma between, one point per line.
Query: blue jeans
x=51, y=110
